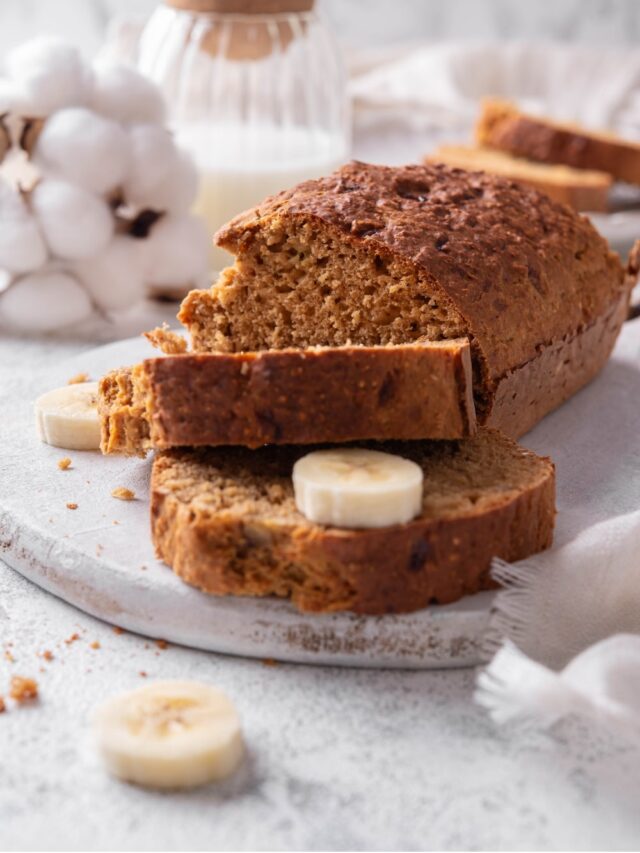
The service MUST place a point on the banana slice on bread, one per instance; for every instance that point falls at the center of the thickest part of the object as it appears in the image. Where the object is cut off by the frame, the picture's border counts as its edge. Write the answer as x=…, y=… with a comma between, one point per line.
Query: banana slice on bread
x=68, y=417
x=170, y=734
x=357, y=487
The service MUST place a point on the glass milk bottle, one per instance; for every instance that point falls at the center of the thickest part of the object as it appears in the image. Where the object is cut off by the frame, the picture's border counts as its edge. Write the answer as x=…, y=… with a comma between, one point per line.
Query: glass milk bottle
x=256, y=92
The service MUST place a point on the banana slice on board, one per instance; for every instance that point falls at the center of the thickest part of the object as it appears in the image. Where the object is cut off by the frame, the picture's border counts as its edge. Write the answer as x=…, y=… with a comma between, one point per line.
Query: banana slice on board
x=170, y=734
x=356, y=487
x=68, y=417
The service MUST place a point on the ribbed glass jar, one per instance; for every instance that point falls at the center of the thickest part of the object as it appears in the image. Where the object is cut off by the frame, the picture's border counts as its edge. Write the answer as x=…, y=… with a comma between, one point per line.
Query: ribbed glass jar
x=256, y=92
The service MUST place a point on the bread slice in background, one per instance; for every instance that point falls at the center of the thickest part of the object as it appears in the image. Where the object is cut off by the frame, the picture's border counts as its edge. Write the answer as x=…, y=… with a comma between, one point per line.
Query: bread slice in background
x=503, y=126
x=226, y=521
x=581, y=189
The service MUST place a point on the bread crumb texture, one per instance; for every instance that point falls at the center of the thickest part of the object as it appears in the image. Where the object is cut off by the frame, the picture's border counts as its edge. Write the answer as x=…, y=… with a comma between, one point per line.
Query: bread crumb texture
x=72, y=506
x=64, y=463
x=168, y=342
x=23, y=689
x=78, y=379
x=123, y=494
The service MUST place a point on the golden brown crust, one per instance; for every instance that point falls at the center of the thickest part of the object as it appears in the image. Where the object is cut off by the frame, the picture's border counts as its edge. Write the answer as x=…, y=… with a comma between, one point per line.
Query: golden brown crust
x=214, y=538
x=412, y=391
x=503, y=126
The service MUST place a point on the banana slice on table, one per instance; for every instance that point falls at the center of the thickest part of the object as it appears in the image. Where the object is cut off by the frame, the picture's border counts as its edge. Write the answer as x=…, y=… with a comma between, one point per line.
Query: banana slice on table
x=170, y=734
x=355, y=487
x=68, y=417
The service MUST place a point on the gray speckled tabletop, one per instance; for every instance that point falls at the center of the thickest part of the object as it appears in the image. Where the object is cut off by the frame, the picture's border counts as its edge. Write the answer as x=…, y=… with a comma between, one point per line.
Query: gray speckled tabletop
x=338, y=759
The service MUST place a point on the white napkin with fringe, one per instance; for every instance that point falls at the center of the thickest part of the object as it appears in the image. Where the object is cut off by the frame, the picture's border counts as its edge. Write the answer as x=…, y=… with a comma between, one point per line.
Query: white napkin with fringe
x=565, y=631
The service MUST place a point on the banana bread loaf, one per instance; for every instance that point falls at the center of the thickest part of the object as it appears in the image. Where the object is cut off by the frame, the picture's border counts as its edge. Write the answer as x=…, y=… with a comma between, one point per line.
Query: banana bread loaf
x=226, y=521
x=501, y=125
x=376, y=255
x=409, y=391
x=581, y=189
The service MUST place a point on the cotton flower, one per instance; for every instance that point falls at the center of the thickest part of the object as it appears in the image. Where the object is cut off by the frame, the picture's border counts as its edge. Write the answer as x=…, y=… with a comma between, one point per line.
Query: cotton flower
x=121, y=93
x=75, y=222
x=114, y=276
x=176, y=252
x=176, y=192
x=50, y=74
x=22, y=246
x=84, y=148
x=43, y=301
x=153, y=155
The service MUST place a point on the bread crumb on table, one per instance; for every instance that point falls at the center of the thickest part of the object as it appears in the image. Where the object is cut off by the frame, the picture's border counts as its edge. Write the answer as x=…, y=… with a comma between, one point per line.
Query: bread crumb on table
x=9, y=656
x=72, y=506
x=170, y=343
x=161, y=644
x=118, y=630
x=95, y=645
x=123, y=494
x=64, y=463
x=3, y=707
x=72, y=639
x=142, y=673
x=47, y=655
x=78, y=378
x=23, y=689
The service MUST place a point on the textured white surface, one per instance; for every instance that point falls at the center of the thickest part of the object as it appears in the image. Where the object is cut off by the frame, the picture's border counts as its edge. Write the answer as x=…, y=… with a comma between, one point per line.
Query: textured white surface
x=339, y=758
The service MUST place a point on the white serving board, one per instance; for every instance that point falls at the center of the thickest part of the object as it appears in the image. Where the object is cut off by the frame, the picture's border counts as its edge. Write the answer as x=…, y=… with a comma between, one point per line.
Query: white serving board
x=99, y=558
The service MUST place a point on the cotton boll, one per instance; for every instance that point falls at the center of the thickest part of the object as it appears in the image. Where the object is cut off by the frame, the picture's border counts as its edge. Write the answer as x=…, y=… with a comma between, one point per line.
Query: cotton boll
x=123, y=94
x=114, y=277
x=153, y=155
x=44, y=301
x=177, y=190
x=75, y=222
x=51, y=74
x=22, y=246
x=177, y=251
x=85, y=148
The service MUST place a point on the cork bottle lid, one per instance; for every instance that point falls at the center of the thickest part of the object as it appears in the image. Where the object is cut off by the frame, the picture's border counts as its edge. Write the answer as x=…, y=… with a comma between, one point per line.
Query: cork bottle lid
x=243, y=7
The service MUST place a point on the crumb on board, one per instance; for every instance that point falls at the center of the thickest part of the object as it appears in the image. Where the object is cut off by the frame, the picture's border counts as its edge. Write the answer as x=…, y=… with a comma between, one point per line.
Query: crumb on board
x=23, y=689
x=9, y=656
x=161, y=644
x=118, y=630
x=3, y=707
x=78, y=378
x=64, y=463
x=72, y=639
x=95, y=645
x=269, y=662
x=72, y=506
x=123, y=494
x=168, y=342
x=142, y=673
x=47, y=654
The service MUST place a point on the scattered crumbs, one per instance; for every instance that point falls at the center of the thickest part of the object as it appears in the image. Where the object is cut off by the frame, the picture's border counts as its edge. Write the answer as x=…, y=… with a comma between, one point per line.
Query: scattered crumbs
x=269, y=662
x=72, y=639
x=78, y=378
x=64, y=463
x=95, y=645
x=47, y=654
x=142, y=673
x=72, y=506
x=115, y=521
x=118, y=630
x=9, y=656
x=3, y=707
x=161, y=644
x=23, y=689
x=168, y=342
x=123, y=494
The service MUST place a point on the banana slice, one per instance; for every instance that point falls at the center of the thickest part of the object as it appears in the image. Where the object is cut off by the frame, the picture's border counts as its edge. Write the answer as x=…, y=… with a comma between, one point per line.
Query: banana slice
x=354, y=487
x=68, y=417
x=170, y=734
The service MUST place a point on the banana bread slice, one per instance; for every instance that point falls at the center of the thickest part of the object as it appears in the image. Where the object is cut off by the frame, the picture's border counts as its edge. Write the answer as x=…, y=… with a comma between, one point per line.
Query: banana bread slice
x=226, y=521
x=581, y=189
x=501, y=125
x=409, y=391
x=376, y=255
